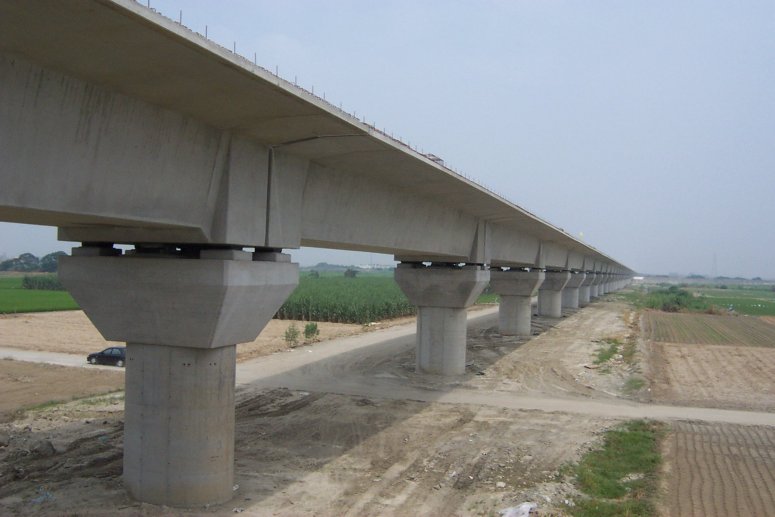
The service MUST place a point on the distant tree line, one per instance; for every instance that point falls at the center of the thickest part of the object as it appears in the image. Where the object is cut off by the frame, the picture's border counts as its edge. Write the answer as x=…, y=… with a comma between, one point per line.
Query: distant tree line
x=29, y=263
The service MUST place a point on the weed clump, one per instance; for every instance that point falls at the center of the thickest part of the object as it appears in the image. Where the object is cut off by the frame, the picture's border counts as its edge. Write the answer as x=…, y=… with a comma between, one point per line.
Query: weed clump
x=621, y=478
x=291, y=335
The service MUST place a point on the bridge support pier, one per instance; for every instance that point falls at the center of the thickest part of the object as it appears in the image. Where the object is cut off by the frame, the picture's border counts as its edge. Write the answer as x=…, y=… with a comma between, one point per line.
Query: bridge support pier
x=585, y=289
x=181, y=311
x=441, y=294
x=594, y=288
x=550, y=293
x=516, y=289
x=602, y=288
x=570, y=293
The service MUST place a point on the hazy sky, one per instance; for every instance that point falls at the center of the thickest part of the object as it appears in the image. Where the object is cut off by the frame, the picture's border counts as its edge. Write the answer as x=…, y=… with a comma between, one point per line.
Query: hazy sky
x=647, y=126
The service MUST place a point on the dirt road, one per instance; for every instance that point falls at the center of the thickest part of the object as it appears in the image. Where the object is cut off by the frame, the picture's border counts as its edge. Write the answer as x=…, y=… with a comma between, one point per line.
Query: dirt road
x=527, y=376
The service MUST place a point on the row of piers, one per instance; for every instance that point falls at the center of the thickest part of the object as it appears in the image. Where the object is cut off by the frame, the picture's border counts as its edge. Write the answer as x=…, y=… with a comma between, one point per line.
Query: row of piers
x=182, y=310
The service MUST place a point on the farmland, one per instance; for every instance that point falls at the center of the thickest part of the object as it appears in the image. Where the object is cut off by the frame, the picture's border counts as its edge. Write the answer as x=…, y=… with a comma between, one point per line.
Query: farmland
x=339, y=299
x=328, y=297
x=707, y=329
x=751, y=300
x=14, y=298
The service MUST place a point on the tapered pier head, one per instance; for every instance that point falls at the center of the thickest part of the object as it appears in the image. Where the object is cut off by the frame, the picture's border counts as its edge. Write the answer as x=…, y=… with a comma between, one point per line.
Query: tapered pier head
x=441, y=294
x=181, y=319
x=550, y=293
x=516, y=289
x=570, y=293
x=585, y=290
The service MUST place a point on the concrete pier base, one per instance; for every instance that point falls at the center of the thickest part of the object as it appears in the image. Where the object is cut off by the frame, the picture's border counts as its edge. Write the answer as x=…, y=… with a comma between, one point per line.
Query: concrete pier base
x=179, y=424
x=441, y=340
x=516, y=289
x=570, y=293
x=585, y=290
x=550, y=293
x=441, y=294
x=594, y=289
x=181, y=315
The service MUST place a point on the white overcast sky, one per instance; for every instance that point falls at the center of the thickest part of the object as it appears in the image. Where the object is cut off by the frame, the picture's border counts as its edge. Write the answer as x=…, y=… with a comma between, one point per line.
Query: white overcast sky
x=648, y=126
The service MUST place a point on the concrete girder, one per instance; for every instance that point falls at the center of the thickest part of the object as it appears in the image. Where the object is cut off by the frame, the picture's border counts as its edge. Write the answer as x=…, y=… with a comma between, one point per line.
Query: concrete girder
x=516, y=289
x=81, y=156
x=181, y=318
x=550, y=293
x=441, y=295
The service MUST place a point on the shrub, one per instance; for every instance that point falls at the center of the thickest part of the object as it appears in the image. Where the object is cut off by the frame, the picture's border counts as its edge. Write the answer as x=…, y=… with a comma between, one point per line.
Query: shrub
x=674, y=299
x=292, y=335
x=42, y=283
x=311, y=330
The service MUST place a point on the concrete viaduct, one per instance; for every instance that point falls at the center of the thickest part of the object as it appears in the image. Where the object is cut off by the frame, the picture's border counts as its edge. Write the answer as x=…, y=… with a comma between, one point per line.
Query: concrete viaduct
x=118, y=125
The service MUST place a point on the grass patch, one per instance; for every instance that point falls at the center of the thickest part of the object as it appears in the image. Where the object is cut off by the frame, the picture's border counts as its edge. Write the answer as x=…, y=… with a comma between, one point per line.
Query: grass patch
x=113, y=397
x=621, y=477
x=45, y=405
x=606, y=352
x=633, y=384
x=488, y=298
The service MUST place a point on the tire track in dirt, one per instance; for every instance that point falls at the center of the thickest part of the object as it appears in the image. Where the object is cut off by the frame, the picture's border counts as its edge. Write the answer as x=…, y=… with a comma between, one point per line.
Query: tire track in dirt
x=719, y=470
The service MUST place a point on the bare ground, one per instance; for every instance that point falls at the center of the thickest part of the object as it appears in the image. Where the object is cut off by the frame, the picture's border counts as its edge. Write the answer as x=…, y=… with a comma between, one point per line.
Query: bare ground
x=720, y=376
x=25, y=385
x=719, y=470
x=71, y=332
x=315, y=452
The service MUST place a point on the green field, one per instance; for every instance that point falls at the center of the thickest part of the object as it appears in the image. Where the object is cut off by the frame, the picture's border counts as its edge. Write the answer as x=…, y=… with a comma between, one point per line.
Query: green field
x=369, y=297
x=753, y=300
x=330, y=297
x=13, y=298
x=346, y=300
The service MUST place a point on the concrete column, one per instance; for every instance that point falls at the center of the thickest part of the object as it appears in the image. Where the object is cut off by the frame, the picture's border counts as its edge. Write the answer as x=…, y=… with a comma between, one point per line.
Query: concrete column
x=179, y=424
x=550, y=293
x=441, y=294
x=603, y=288
x=516, y=289
x=584, y=290
x=594, y=291
x=570, y=293
x=181, y=314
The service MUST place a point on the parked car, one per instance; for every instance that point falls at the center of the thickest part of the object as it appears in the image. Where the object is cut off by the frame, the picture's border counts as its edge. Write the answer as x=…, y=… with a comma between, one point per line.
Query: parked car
x=115, y=355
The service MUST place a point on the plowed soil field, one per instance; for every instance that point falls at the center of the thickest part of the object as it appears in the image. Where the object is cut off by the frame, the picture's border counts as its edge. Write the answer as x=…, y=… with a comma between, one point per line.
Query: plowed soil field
x=719, y=470
x=768, y=319
x=710, y=329
x=719, y=376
